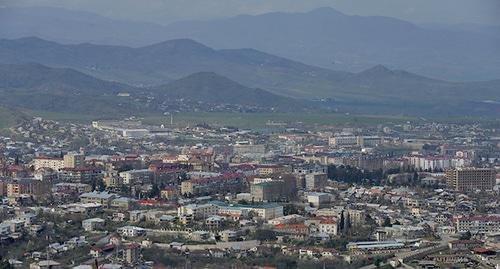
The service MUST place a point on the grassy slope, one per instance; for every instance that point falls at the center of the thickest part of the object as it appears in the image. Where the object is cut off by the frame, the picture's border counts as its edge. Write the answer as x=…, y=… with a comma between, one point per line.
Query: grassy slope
x=241, y=120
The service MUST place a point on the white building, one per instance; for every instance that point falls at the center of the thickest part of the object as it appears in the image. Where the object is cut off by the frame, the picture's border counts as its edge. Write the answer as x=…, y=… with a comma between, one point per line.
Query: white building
x=93, y=224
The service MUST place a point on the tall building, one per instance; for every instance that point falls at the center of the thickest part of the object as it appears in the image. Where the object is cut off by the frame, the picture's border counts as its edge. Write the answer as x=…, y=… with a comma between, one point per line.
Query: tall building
x=27, y=186
x=470, y=179
x=316, y=181
x=73, y=160
x=280, y=187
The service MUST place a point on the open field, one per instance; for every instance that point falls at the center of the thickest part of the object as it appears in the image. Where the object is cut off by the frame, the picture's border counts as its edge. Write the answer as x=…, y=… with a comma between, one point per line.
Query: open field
x=241, y=120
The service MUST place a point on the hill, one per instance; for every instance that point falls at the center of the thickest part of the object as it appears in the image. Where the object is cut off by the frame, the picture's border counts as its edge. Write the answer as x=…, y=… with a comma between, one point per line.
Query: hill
x=375, y=90
x=38, y=87
x=42, y=88
x=170, y=60
x=211, y=88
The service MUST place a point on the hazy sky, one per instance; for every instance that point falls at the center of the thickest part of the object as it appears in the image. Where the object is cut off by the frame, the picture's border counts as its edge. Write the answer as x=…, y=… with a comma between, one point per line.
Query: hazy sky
x=166, y=11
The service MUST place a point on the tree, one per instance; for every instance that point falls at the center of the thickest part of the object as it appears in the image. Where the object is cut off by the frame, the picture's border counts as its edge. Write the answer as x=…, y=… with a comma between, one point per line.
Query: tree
x=465, y=236
x=265, y=235
x=154, y=192
x=387, y=222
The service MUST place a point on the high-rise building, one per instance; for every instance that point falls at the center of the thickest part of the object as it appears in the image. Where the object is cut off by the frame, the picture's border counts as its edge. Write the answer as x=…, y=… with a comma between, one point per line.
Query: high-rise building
x=469, y=179
x=316, y=181
x=73, y=160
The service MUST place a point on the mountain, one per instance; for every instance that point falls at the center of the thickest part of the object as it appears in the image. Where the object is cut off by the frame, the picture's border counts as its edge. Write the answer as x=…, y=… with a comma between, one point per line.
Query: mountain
x=44, y=79
x=331, y=39
x=72, y=26
x=209, y=87
x=375, y=90
x=322, y=37
x=42, y=88
x=38, y=87
x=170, y=60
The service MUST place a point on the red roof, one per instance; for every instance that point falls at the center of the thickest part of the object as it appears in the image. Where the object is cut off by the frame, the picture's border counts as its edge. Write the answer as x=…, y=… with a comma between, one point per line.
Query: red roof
x=151, y=202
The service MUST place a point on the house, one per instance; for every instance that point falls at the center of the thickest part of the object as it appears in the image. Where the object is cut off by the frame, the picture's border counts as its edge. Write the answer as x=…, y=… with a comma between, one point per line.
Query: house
x=131, y=231
x=93, y=224
x=97, y=252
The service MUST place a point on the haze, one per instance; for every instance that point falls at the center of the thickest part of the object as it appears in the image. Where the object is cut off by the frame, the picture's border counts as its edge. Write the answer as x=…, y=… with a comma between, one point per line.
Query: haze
x=167, y=11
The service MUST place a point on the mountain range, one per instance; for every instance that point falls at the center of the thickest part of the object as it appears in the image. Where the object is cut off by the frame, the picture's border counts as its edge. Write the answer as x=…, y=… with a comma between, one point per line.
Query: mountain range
x=375, y=90
x=322, y=37
x=37, y=87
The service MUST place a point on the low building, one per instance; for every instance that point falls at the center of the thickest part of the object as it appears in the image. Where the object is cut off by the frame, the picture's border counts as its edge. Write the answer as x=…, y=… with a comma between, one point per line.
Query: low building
x=93, y=224
x=103, y=198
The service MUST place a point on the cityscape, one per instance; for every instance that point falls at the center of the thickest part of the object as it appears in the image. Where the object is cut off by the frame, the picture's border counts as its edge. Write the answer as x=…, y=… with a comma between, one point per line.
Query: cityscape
x=116, y=154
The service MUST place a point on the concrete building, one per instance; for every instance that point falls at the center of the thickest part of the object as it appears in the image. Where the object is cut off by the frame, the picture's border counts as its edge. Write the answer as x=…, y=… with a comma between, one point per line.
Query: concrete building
x=93, y=224
x=470, y=179
x=73, y=160
x=316, y=181
x=48, y=162
x=317, y=199
x=103, y=198
x=477, y=224
x=27, y=186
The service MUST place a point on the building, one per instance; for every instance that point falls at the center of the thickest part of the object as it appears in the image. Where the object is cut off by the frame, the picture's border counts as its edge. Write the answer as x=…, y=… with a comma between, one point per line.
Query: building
x=242, y=149
x=343, y=140
x=48, y=162
x=470, y=179
x=169, y=193
x=477, y=224
x=229, y=182
x=27, y=186
x=197, y=211
x=277, y=188
x=317, y=199
x=374, y=245
x=93, y=224
x=369, y=141
x=73, y=160
x=328, y=227
x=131, y=253
x=104, y=198
x=136, y=176
x=298, y=229
x=131, y=231
x=263, y=211
x=269, y=169
x=464, y=244
x=80, y=174
x=316, y=181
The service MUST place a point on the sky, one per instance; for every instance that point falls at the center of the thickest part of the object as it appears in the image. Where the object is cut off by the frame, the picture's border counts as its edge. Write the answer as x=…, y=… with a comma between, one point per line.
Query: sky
x=167, y=11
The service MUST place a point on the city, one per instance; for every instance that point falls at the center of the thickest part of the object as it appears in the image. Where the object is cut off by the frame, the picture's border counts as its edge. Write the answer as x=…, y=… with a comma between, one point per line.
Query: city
x=422, y=195
x=249, y=134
